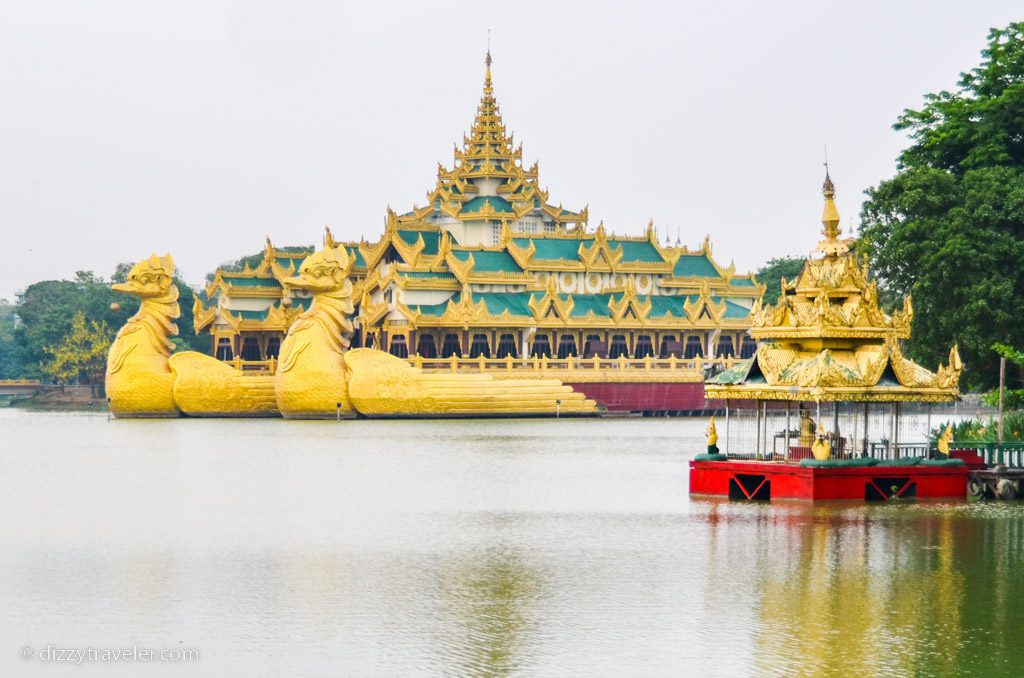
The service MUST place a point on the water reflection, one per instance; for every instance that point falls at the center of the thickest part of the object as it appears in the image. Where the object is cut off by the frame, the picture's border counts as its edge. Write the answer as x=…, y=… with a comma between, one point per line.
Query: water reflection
x=877, y=590
x=486, y=600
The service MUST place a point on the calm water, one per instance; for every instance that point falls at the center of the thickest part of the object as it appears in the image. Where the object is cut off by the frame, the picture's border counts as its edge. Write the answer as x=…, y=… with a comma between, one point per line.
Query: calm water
x=479, y=547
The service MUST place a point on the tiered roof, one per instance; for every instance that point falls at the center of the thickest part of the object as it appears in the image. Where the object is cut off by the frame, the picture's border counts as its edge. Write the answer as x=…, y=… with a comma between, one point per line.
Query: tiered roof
x=828, y=339
x=265, y=280
x=488, y=153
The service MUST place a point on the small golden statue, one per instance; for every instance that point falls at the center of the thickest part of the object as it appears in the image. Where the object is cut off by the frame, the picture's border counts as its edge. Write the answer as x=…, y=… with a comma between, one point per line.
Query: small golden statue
x=712, y=435
x=821, y=448
x=806, y=429
x=945, y=438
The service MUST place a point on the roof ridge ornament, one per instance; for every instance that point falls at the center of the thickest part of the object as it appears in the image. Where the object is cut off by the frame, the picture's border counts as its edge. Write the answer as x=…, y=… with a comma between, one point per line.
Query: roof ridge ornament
x=832, y=246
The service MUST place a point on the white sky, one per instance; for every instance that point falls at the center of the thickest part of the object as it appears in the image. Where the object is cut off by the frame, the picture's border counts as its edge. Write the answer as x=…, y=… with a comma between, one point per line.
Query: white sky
x=199, y=127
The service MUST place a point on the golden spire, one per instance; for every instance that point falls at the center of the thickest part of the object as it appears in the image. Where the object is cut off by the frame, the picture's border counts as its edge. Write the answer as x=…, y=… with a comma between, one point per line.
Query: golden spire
x=487, y=59
x=832, y=246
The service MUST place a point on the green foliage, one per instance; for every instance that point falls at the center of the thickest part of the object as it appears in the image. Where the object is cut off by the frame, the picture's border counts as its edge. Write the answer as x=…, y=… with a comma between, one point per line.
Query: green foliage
x=81, y=355
x=771, y=274
x=10, y=360
x=1013, y=398
x=985, y=429
x=949, y=227
x=48, y=310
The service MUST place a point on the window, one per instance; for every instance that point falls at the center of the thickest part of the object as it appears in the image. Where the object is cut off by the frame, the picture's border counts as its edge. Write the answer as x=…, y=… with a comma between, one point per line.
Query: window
x=425, y=346
x=479, y=347
x=251, y=349
x=369, y=341
x=399, y=348
x=224, y=350
x=670, y=347
x=451, y=346
x=273, y=347
x=593, y=346
x=618, y=347
x=725, y=349
x=694, y=349
x=749, y=347
x=507, y=346
x=644, y=347
x=541, y=347
x=566, y=346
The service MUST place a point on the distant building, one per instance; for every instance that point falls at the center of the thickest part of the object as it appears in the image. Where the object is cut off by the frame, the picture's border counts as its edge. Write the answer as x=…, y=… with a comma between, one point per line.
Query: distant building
x=489, y=267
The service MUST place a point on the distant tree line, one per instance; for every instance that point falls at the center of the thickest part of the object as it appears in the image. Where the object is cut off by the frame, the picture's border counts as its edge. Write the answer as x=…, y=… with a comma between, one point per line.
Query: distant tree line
x=61, y=330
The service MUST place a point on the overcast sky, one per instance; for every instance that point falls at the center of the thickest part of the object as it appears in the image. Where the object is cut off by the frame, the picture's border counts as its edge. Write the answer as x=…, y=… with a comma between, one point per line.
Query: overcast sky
x=199, y=127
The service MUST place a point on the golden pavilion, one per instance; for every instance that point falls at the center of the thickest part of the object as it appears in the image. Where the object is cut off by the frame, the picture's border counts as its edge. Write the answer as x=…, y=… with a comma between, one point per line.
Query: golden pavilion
x=490, y=267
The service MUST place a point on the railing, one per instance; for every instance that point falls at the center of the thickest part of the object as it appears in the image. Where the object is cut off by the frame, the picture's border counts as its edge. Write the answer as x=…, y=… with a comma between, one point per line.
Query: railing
x=268, y=366
x=1010, y=454
x=19, y=382
x=883, y=450
x=622, y=368
x=573, y=368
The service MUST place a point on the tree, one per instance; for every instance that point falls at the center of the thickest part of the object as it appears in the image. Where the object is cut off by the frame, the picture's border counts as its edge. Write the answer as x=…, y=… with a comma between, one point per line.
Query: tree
x=949, y=226
x=49, y=307
x=82, y=353
x=10, y=362
x=771, y=274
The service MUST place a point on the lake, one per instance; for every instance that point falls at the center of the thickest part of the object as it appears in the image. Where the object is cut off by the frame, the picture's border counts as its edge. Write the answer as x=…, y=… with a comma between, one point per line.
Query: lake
x=524, y=547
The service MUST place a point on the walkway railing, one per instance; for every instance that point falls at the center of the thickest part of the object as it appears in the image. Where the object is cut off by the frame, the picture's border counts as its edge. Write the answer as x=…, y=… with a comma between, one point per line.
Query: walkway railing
x=268, y=366
x=1010, y=454
x=577, y=369
x=566, y=369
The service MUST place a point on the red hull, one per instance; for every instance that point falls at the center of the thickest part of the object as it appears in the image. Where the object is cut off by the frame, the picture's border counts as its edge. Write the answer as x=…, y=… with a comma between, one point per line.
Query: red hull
x=773, y=480
x=665, y=397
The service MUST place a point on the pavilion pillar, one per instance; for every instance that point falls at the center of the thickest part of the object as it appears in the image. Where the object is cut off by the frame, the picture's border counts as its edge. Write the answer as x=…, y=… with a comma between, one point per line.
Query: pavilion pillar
x=865, y=444
x=757, y=448
x=895, y=430
x=789, y=407
x=726, y=426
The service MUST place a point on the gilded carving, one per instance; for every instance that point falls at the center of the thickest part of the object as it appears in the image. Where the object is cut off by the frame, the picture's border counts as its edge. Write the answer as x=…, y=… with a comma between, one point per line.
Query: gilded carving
x=139, y=381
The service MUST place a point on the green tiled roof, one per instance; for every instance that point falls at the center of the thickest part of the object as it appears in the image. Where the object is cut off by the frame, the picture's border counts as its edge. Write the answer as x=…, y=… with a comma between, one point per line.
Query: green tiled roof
x=252, y=282
x=737, y=374
x=497, y=302
x=489, y=262
x=287, y=259
x=552, y=248
x=477, y=204
x=743, y=282
x=518, y=304
x=431, y=275
x=582, y=304
x=695, y=265
x=637, y=251
x=430, y=239
x=302, y=302
x=251, y=315
x=662, y=306
x=436, y=310
x=735, y=311
x=357, y=256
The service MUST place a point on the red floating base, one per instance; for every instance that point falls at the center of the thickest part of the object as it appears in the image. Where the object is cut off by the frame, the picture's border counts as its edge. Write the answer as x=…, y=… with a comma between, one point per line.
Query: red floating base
x=746, y=480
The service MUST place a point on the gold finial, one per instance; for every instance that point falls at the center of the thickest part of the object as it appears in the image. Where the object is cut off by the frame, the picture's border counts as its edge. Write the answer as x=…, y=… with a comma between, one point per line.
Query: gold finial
x=487, y=59
x=831, y=245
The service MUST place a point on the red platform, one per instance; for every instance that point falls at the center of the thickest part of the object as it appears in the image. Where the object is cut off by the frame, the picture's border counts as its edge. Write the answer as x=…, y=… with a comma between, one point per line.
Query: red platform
x=748, y=480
